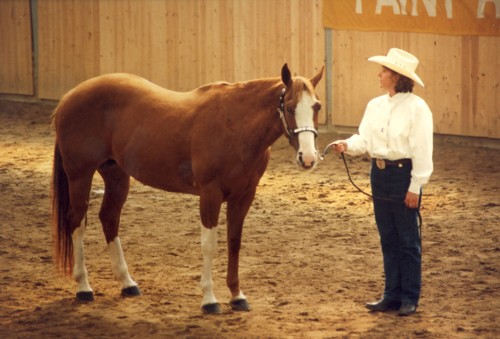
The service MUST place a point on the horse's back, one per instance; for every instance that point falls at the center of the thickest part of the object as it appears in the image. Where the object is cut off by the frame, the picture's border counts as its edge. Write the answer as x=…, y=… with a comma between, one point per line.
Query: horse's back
x=143, y=127
x=105, y=91
x=115, y=102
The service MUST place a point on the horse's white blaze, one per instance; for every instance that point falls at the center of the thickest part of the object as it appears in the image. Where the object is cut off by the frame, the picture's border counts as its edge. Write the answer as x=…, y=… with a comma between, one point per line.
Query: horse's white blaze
x=208, y=248
x=304, y=114
x=79, y=270
x=118, y=264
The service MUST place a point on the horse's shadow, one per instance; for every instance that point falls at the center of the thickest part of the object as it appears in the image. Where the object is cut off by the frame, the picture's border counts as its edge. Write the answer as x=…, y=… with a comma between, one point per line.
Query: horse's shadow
x=69, y=318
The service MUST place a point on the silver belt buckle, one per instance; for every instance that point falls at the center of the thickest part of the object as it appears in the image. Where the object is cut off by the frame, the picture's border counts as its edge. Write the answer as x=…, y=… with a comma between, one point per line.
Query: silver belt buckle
x=380, y=163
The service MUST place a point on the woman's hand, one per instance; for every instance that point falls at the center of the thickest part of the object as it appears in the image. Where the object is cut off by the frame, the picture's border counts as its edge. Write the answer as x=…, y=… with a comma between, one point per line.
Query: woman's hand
x=339, y=146
x=411, y=200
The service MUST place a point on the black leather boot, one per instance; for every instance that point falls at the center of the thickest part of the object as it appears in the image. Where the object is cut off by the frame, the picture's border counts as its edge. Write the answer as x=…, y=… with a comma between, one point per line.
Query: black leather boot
x=384, y=305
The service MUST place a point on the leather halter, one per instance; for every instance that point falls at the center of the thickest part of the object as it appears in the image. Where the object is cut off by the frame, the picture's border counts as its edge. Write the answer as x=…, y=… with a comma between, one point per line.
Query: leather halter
x=289, y=133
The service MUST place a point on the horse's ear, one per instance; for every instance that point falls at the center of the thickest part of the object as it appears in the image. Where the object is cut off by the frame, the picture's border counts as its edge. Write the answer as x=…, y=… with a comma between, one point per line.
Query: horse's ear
x=317, y=77
x=286, y=76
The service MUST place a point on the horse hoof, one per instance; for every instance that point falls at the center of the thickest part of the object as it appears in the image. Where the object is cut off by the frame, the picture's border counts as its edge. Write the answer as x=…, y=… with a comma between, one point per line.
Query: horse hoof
x=240, y=305
x=85, y=296
x=211, y=308
x=132, y=291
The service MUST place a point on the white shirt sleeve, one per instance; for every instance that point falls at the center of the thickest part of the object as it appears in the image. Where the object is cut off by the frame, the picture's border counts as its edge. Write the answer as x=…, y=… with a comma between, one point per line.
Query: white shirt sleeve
x=421, y=146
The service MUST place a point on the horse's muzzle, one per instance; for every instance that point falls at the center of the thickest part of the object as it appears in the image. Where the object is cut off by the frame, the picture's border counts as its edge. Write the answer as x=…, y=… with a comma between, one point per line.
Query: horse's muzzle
x=307, y=162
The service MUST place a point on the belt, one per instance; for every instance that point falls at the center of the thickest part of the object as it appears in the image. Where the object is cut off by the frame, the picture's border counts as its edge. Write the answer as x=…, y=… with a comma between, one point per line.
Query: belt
x=383, y=163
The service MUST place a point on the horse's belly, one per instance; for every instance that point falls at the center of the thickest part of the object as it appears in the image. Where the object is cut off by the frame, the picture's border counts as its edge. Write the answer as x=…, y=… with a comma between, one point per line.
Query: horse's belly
x=162, y=174
x=169, y=186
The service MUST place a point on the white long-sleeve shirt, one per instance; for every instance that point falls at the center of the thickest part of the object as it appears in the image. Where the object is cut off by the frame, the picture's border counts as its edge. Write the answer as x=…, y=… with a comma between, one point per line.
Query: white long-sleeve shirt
x=394, y=128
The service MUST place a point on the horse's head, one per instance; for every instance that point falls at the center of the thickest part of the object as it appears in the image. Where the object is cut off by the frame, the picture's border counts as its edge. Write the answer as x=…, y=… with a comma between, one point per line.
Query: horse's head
x=299, y=112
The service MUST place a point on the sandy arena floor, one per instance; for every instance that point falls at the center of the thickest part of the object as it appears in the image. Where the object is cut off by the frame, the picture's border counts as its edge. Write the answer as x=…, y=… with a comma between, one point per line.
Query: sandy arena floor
x=310, y=257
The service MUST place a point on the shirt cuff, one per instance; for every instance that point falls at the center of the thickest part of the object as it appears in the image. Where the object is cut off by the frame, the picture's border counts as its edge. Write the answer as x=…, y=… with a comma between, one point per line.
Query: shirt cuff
x=414, y=188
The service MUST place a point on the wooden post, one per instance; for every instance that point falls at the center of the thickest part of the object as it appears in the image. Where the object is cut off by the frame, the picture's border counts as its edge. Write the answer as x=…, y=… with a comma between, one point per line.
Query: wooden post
x=329, y=77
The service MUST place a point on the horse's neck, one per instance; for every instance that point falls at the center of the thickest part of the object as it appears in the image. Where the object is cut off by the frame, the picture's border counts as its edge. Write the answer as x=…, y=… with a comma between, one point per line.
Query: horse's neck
x=262, y=123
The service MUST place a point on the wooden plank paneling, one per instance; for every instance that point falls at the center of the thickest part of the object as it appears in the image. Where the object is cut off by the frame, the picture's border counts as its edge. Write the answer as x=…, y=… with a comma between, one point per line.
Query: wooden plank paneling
x=133, y=38
x=178, y=44
x=487, y=110
x=461, y=76
x=68, y=33
x=440, y=67
x=16, y=69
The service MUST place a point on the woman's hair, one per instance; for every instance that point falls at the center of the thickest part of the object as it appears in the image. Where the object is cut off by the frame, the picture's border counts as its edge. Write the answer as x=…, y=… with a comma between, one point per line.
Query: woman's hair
x=404, y=84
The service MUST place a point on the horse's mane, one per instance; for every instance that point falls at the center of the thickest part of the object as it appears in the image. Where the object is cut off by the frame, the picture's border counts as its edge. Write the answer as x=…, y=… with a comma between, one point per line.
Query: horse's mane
x=234, y=85
x=299, y=83
x=215, y=85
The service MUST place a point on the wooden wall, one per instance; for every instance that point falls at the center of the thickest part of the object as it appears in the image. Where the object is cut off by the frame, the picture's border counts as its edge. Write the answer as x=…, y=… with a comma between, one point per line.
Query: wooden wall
x=461, y=77
x=177, y=44
x=16, y=73
x=182, y=44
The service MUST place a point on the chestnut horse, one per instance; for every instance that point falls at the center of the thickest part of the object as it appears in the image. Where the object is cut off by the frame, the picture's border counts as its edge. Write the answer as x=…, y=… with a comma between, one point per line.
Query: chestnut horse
x=213, y=142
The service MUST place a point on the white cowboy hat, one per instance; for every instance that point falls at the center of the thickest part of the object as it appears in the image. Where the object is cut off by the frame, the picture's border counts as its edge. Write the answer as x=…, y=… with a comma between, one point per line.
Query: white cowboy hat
x=401, y=62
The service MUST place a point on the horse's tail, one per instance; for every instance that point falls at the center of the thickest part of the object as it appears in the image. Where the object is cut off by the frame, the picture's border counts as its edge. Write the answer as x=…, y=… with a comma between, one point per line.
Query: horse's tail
x=61, y=234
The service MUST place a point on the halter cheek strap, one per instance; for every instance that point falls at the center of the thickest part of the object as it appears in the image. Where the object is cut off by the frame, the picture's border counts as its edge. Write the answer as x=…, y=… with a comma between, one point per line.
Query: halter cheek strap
x=288, y=131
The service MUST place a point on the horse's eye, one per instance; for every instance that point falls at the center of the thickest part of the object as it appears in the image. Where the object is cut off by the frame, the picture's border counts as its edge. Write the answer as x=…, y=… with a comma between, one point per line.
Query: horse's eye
x=290, y=110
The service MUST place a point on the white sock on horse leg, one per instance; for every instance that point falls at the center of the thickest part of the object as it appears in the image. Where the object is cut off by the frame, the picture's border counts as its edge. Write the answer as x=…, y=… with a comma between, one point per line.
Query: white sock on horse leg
x=118, y=264
x=79, y=270
x=208, y=248
x=239, y=296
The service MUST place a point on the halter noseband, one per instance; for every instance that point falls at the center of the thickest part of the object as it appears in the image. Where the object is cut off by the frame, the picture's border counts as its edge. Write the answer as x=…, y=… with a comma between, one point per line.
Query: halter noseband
x=289, y=133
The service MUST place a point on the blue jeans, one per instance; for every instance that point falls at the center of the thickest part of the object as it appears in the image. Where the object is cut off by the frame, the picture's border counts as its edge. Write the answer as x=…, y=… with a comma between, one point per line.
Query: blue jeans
x=399, y=234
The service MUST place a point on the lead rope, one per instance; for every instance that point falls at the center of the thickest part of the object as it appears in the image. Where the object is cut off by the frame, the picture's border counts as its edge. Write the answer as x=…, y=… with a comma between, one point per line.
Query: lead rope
x=375, y=197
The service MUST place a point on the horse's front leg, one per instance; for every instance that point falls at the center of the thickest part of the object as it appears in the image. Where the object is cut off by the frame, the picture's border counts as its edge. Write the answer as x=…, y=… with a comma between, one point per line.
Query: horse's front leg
x=237, y=210
x=209, y=303
x=210, y=204
x=238, y=299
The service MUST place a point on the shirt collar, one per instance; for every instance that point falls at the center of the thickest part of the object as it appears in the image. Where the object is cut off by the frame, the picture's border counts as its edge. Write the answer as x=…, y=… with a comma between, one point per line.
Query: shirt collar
x=397, y=97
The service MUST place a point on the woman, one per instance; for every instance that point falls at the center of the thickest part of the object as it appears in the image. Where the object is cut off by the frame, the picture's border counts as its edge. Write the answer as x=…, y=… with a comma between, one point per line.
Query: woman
x=396, y=131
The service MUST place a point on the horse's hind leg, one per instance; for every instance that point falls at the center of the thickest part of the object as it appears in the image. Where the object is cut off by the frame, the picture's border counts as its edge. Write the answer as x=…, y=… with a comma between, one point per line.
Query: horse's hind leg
x=79, y=190
x=116, y=187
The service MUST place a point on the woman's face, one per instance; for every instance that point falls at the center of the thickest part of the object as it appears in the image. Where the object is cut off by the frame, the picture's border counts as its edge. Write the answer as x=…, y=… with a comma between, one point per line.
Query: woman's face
x=388, y=80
